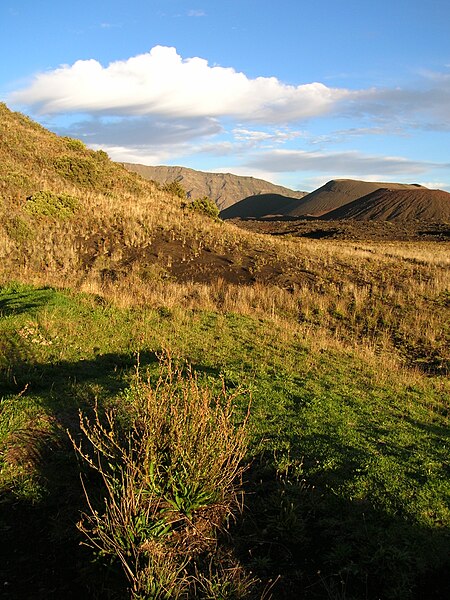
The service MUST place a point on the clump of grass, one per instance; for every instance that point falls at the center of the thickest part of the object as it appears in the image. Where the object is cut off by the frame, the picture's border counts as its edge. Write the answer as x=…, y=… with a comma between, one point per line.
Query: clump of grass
x=170, y=461
x=48, y=204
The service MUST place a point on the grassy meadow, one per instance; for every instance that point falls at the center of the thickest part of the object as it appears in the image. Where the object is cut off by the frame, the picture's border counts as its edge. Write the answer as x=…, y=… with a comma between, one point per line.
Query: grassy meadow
x=312, y=376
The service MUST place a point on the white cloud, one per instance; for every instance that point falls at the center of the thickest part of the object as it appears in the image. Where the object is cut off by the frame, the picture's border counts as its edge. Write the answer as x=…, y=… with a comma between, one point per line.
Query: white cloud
x=162, y=83
x=106, y=25
x=245, y=171
x=144, y=156
x=349, y=163
x=254, y=137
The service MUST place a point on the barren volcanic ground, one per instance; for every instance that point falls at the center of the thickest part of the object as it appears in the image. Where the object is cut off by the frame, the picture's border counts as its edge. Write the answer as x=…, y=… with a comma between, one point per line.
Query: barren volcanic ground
x=421, y=204
x=348, y=229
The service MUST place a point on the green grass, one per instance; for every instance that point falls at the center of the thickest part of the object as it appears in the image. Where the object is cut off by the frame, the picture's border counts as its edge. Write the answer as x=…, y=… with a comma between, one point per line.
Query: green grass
x=348, y=491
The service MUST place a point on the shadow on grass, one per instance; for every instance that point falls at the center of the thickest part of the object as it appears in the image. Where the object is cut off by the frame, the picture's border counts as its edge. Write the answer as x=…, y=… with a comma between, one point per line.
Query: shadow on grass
x=296, y=529
x=40, y=552
x=17, y=302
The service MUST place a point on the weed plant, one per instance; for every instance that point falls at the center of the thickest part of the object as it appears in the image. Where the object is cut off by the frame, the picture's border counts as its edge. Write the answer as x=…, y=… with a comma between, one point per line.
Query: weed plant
x=170, y=464
x=348, y=464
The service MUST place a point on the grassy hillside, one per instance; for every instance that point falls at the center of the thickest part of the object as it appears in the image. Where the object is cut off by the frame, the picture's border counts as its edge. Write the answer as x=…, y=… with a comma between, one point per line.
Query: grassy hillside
x=331, y=356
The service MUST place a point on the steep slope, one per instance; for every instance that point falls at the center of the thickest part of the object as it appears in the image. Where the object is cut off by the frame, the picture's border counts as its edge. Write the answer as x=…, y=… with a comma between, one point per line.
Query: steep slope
x=224, y=189
x=33, y=158
x=258, y=207
x=397, y=205
x=337, y=193
x=69, y=216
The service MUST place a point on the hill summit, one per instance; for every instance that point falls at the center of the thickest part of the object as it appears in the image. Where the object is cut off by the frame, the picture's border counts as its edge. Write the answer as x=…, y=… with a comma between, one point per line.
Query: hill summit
x=351, y=199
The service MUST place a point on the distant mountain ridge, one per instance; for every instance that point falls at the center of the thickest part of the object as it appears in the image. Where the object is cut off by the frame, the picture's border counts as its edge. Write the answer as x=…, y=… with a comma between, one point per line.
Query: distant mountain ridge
x=351, y=199
x=225, y=189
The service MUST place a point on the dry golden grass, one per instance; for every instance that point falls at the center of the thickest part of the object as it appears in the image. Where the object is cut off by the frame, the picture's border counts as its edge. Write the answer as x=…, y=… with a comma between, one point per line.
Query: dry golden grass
x=132, y=243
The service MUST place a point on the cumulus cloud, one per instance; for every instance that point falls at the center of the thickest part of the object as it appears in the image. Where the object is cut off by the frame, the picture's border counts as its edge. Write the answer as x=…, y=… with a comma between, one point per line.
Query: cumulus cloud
x=162, y=83
x=351, y=163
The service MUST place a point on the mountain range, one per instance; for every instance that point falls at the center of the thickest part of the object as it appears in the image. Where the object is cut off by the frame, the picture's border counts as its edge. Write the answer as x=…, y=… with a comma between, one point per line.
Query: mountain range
x=225, y=189
x=240, y=197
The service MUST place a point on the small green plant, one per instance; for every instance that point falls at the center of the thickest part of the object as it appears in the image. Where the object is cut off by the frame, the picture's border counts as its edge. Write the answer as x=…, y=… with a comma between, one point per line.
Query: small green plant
x=204, y=206
x=48, y=204
x=174, y=187
x=81, y=171
x=169, y=462
x=102, y=155
x=18, y=229
x=74, y=144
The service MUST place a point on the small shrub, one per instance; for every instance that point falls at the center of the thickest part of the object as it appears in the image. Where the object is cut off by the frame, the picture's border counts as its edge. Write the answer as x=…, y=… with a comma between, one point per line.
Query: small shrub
x=169, y=466
x=74, y=144
x=16, y=179
x=81, y=171
x=18, y=229
x=203, y=206
x=102, y=155
x=175, y=188
x=52, y=205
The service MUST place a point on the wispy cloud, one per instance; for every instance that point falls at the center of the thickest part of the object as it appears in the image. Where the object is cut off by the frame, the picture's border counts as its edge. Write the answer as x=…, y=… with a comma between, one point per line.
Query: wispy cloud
x=196, y=13
x=343, y=135
x=144, y=139
x=106, y=25
x=277, y=136
x=351, y=163
x=142, y=131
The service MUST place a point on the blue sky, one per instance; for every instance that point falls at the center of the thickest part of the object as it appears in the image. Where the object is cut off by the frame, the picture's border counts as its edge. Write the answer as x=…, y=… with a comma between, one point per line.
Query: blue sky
x=296, y=92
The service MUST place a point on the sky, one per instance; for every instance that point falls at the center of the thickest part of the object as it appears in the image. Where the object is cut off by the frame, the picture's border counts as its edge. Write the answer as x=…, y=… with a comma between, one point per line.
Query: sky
x=296, y=92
